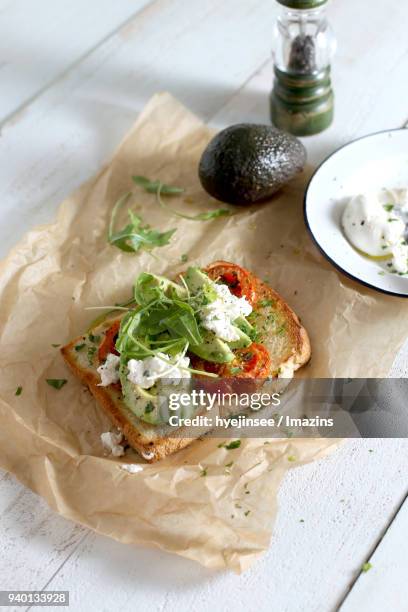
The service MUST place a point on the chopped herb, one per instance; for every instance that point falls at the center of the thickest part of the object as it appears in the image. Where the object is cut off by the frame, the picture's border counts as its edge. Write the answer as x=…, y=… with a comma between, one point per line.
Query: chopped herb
x=91, y=354
x=233, y=444
x=235, y=370
x=366, y=567
x=135, y=236
x=80, y=347
x=370, y=450
x=57, y=383
x=19, y=391
x=184, y=257
x=291, y=458
x=238, y=506
x=381, y=273
x=204, y=472
x=94, y=339
x=301, y=520
x=55, y=345
x=384, y=246
x=227, y=465
x=281, y=330
x=149, y=407
x=247, y=492
x=247, y=512
x=388, y=207
x=266, y=302
x=390, y=220
x=221, y=445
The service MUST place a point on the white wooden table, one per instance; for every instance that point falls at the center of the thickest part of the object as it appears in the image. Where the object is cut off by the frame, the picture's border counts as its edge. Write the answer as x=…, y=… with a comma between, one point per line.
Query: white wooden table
x=73, y=76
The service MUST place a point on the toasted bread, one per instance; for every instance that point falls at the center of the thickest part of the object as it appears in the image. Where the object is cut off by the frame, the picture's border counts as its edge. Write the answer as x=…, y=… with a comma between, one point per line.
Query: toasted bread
x=280, y=331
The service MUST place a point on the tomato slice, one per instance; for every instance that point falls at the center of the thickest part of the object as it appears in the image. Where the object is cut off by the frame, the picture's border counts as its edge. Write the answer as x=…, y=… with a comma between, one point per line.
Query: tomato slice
x=251, y=362
x=239, y=281
x=108, y=344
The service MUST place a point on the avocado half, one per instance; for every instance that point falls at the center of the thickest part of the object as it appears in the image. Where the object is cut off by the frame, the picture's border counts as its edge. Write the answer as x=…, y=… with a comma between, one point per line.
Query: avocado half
x=247, y=163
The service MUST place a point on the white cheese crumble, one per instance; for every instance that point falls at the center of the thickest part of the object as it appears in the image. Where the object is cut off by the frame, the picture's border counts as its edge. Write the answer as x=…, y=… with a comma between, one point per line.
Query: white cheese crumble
x=132, y=468
x=219, y=315
x=145, y=372
x=109, y=371
x=111, y=442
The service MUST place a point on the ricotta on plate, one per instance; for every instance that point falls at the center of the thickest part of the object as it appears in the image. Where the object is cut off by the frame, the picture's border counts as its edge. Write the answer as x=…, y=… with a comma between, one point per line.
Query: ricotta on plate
x=376, y=224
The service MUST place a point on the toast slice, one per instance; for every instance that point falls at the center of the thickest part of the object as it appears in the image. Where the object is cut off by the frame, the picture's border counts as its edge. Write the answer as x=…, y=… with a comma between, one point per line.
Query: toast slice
x=279, y=329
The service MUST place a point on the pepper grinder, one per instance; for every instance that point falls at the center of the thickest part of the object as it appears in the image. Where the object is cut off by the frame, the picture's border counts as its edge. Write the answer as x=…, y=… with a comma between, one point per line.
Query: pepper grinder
x=302, y=100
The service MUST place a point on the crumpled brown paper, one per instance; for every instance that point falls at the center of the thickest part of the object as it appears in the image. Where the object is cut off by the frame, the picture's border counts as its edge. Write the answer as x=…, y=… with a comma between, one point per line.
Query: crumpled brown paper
x=51, y=439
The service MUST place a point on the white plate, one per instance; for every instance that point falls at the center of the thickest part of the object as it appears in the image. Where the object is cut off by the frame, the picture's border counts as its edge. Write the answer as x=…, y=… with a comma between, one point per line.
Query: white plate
x=375, y=161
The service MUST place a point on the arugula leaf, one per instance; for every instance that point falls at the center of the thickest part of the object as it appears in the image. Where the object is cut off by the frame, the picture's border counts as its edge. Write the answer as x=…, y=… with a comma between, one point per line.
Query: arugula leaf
x=153, y=186
x=57, y=383
x=159, y=188
x=135, y=236
x=182, y=322
x=210, y=214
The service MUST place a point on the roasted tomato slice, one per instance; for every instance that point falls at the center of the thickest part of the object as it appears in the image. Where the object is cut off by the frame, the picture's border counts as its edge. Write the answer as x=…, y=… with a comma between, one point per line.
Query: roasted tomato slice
x=239, y=281
x=108, y=345
x=251, y=362
x=210, y=385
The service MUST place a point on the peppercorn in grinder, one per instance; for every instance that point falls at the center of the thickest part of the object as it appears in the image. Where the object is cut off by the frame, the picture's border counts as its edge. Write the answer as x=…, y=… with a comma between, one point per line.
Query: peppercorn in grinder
x=302, y=99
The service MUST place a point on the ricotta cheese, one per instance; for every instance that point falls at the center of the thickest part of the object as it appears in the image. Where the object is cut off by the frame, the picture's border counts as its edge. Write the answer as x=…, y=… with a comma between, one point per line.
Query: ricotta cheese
x=400, y=258
x=132, y=468
x=219, y=315
x=111, y=442
x=372, y=226
x=145, y=372
x=109, y=371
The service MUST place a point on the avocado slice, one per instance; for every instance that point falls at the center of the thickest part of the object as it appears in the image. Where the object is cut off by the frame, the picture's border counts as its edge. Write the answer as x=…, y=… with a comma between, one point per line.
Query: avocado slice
x=212, y=349
x=243, y=340
x=196, y=279
x=147, y=284
x=152, y=405
x=244, y=325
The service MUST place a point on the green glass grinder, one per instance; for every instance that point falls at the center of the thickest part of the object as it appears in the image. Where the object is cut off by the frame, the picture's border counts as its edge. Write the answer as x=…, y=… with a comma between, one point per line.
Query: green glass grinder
x=302, y=100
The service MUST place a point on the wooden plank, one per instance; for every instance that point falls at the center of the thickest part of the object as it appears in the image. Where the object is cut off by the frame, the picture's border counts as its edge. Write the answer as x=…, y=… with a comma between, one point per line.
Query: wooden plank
x=384, y=586
x=35, y=542
x=40, y=40
x=331, y=513
x=61, y=140
x=63, y=137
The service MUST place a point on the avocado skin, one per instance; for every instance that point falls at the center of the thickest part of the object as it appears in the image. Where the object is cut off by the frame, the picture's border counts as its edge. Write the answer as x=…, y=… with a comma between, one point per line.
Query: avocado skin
x=248, y=163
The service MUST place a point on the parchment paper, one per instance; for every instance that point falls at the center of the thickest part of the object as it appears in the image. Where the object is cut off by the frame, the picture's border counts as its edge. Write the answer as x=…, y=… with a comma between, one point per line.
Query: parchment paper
x=51, y=439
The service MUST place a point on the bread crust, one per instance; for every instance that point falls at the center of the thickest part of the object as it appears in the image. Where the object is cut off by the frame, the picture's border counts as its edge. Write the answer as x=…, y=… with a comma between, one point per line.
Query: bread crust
x=152, y=448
